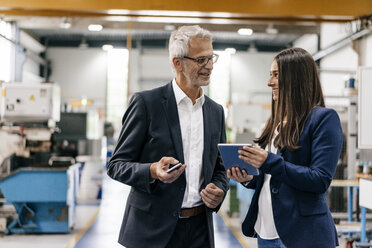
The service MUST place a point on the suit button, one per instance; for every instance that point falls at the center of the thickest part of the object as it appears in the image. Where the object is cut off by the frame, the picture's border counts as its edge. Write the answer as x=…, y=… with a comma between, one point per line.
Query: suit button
x=175, y=214
x=182, y=189
x=274, y=190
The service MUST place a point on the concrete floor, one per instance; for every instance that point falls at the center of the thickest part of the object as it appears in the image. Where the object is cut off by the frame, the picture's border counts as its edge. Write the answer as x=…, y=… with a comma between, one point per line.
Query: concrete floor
x=98, y=226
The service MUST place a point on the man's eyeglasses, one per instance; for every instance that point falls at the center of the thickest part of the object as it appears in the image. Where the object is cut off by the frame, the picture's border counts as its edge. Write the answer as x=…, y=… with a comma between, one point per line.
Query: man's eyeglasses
x=203, y=60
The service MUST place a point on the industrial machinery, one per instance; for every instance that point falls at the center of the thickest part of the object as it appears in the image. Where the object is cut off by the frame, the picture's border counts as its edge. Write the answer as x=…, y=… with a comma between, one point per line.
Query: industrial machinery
x=44, y=199
x=43, y=192
x=24, y=114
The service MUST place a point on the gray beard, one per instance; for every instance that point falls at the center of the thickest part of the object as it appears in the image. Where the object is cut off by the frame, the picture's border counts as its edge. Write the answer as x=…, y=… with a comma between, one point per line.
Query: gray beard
x=194, y=81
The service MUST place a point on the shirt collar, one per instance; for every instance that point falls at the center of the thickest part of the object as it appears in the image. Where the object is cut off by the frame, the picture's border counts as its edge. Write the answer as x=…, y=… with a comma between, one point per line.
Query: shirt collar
x=180, y=95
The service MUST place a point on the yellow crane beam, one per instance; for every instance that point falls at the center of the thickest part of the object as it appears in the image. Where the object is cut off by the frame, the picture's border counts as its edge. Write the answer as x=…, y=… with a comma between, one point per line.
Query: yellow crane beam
x=250, y=9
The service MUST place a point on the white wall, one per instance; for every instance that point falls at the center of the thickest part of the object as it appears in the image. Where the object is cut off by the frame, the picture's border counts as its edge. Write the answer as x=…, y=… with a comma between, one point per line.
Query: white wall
x=31, y=66
x=309, y=42
x=250, y=95
x=149, y=68
x=366, y=51
x=83, y=72
x=336, y=67
x=249, y=75
x=80, y=72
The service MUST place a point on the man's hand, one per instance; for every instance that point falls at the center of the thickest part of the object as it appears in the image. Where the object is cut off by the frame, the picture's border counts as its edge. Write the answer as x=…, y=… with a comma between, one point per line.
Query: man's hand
x=212, y=196
x=158, y=170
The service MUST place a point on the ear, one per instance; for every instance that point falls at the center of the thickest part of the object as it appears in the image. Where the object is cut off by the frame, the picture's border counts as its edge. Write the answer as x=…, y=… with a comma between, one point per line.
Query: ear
x=177, y=63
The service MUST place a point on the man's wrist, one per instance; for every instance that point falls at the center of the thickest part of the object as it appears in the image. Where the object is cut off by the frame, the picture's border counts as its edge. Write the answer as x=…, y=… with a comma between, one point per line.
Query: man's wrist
x=153, y=175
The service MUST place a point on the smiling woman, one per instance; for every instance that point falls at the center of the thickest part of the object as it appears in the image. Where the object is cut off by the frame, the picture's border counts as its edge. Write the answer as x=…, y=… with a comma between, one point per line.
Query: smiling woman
x=297, y=159
x=273, y=80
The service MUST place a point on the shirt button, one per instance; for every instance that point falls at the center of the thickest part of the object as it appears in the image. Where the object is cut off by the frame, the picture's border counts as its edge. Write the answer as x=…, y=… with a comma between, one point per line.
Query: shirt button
x=274, y=190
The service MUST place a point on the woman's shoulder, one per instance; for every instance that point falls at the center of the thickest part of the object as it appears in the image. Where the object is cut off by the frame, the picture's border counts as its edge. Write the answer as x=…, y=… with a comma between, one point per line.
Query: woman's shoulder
x=321, y=113
x=318, y=110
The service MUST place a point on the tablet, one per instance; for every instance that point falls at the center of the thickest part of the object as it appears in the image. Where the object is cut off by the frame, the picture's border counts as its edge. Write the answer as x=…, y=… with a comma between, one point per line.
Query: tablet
x=230, y=157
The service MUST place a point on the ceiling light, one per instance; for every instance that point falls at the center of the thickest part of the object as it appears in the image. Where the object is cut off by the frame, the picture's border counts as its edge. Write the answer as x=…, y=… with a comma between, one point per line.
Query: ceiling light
x=271, y=30
x=95, y=27
x=83, y=43
x=118, y=12
x=245, y=31
x=230, y=50
x=252, y=48
x=169, y=27
x=107, y=47
x=65, y=24
x=84, y=101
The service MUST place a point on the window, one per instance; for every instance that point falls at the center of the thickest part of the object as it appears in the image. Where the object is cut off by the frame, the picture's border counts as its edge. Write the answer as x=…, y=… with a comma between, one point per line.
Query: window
x=5, y=51
x=219, y=88
x=117, y=83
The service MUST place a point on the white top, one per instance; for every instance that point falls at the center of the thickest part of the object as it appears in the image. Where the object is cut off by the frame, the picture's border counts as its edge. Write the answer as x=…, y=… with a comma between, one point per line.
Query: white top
x=192, y=131
x=265, y=225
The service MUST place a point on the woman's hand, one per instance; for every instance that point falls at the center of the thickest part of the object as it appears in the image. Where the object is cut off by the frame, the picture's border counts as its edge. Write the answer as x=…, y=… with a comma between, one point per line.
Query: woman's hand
x=253, y=155
x=238, y=175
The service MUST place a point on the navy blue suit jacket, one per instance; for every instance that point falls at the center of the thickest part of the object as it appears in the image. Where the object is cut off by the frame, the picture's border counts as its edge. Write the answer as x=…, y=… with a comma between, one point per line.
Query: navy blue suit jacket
x=299, y=183
x=150, y=131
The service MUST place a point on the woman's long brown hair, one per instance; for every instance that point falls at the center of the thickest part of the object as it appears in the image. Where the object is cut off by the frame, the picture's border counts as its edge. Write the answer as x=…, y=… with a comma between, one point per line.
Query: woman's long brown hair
x=299, y=92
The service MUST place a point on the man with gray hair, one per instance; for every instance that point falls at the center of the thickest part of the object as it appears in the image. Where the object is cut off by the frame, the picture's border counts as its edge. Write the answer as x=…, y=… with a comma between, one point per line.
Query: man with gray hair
x=169, y=125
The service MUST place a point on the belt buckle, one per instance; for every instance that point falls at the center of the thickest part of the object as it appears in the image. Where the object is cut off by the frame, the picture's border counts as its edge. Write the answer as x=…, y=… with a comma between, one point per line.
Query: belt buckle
x=182, y=217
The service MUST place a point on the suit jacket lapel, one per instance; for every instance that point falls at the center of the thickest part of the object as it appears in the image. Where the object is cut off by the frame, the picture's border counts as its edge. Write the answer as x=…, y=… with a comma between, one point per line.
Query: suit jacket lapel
x=171, y=113
x=207, y=137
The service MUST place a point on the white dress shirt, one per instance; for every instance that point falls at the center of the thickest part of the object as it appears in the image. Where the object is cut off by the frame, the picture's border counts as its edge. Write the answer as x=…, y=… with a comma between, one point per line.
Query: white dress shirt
x=192, y=131
x=265, y=225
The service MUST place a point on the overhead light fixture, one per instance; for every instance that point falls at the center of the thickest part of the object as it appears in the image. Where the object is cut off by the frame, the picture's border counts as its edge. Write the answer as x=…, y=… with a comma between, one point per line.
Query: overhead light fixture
x=252, y=48
x=66, y=24
x=118, y=12
x=169, y=27
x=83, y=43
x=107, y=47
x=230, y=50
x=245, y=31
x=95, y=27
x=271, y=30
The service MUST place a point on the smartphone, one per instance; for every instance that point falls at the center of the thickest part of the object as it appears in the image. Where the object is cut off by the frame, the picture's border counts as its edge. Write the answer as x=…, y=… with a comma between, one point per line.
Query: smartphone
x=174, y=167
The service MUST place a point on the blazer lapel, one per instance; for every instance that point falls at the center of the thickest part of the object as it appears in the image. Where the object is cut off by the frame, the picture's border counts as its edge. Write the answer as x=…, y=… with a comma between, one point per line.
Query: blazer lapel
x=171, y=113
x=278, y=152
x=207, y=138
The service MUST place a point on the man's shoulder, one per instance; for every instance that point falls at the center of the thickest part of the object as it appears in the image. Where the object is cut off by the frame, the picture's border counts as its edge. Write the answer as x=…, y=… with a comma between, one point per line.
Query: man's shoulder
x=153, y=93
x=212, y=103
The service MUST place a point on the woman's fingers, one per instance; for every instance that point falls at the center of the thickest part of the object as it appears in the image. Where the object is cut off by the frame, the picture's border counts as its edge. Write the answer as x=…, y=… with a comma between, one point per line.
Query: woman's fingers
x=238, y=175
x=255, y=156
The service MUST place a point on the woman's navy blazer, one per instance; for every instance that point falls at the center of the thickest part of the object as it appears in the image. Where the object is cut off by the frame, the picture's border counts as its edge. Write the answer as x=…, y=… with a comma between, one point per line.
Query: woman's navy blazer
x=299, y=183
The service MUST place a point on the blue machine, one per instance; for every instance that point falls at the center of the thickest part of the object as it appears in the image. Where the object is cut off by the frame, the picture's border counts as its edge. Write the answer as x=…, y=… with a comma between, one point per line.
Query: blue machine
x=44, y=199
